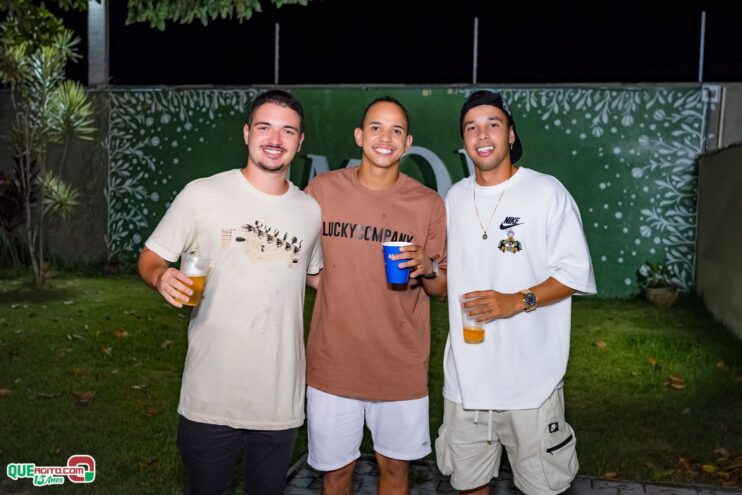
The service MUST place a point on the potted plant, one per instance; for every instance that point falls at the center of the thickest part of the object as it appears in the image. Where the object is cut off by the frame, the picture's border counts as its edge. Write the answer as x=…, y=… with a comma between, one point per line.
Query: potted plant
x=658, y=283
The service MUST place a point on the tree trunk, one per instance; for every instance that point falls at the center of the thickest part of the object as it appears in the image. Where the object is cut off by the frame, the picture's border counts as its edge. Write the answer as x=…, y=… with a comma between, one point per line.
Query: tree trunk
x=40, y=223
x=30, y=237
x=41, y=279
x=64, y=155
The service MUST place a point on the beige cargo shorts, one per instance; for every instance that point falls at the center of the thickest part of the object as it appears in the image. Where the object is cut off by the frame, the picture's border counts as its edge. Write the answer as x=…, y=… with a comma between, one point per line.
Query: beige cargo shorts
x=539, y=443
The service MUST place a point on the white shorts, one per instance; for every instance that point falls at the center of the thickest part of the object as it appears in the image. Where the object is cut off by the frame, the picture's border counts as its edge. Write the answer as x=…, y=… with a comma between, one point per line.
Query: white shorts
x=399, y=429
x=539, y=442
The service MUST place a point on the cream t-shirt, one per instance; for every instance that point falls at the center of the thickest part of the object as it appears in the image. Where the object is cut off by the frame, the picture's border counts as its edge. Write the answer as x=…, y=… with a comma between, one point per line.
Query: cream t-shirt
x=245, y=366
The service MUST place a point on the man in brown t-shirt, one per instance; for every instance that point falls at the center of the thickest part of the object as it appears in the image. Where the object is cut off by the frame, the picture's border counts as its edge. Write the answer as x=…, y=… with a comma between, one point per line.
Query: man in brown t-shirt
x=367, y=356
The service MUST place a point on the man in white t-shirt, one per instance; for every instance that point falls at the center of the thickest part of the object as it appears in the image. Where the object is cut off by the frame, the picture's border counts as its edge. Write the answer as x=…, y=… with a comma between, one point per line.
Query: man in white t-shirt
x=244, y=374
x=517, y=253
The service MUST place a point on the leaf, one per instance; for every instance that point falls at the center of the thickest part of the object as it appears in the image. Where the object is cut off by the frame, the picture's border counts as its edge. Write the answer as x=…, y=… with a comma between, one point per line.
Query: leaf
x=652, y=361
x=76, y=371
x=166, y=344
x=120, y=333
x=663, y=474
x=722, y=452
x=721, y=365
x=139, y=387
x=684, y=464
x=5, y=392
x=84, y=397
x=610, y=475
x=634, y=373
x=675, y=382
x=106, y=350
x=67, y=303
x=709, y=468
x=600, y=343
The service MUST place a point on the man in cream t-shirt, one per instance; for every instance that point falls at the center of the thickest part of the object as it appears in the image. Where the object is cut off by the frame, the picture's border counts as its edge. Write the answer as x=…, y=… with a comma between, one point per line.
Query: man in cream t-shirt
x=244, y=375
x=517, y=252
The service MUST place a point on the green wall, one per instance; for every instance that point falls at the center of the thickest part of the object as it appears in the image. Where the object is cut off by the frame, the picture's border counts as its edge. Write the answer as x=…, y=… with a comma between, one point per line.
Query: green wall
x=628, y=156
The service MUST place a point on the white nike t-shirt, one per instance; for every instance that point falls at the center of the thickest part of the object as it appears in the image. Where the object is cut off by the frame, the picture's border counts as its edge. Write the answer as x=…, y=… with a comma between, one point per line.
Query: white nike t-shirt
x=536, y=233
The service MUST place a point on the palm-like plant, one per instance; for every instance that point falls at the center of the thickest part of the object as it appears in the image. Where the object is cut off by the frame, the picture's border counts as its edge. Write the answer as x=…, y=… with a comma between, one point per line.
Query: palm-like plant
x=49, y=109
x=71, y=116
x=60, y=199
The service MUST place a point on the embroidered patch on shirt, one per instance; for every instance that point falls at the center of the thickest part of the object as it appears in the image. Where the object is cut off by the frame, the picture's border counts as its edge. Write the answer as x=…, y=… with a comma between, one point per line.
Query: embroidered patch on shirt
x=510, y=244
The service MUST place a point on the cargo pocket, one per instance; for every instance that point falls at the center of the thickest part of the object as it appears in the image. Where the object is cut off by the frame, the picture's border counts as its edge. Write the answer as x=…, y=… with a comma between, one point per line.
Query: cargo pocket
x=443, y=453
x=559, y=458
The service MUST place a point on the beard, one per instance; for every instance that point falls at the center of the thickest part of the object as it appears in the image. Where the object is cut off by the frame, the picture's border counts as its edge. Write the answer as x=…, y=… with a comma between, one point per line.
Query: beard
x=273, y=169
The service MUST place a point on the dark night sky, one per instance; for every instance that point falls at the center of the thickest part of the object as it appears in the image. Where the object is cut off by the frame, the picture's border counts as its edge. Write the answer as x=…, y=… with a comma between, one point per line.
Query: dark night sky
x=419, y=42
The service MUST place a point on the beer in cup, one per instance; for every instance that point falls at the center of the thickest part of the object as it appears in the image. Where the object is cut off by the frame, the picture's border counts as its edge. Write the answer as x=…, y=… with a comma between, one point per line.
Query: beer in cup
x=473, y=329
x=195, y=267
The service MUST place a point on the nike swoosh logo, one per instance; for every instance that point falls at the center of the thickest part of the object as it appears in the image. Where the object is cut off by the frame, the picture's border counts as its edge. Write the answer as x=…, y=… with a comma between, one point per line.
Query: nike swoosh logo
x=504, y=226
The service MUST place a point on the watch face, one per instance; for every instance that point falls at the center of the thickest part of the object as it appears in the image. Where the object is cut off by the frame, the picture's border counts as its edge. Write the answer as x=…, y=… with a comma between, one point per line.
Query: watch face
x=530, y=299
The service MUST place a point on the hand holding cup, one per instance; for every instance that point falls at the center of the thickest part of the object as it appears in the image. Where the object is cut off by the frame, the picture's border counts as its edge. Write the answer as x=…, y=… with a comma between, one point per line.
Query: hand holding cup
x=194, y=267
x=473, y=329
x=395, y=273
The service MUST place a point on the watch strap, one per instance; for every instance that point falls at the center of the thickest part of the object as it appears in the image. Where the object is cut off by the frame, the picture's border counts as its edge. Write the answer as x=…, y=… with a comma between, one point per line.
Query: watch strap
x=436, y=270
x=530, y=301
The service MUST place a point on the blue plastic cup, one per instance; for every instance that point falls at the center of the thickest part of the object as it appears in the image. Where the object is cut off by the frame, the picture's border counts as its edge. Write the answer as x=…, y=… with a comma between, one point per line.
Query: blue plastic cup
x=395, y=274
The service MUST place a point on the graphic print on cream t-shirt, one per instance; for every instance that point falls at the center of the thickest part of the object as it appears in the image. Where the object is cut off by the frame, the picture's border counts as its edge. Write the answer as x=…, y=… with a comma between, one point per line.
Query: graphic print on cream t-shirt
x=263, y=243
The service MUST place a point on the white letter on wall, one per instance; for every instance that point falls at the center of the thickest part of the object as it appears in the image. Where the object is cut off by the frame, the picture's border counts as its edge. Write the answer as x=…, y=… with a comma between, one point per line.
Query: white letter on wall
x=469, y=163
x=442, y=177
x=318, y=166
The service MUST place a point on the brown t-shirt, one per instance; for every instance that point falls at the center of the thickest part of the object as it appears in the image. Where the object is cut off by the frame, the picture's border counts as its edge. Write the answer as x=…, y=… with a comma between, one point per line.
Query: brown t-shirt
x=367, y=340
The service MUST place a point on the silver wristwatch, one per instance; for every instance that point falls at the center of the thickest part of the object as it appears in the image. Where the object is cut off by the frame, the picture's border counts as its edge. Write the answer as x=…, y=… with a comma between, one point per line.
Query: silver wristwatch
x=436, y=271
x=530, y=301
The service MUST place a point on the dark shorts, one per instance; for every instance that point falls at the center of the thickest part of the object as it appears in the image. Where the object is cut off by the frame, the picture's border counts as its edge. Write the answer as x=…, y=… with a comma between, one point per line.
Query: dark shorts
x=209, y=453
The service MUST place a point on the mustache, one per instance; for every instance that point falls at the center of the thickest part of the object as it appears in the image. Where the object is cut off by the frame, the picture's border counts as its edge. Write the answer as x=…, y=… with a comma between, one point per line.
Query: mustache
x=274, y=146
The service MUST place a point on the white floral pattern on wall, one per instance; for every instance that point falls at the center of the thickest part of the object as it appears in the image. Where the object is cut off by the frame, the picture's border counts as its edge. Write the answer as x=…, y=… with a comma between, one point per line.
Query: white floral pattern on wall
x=627, y=154
x=658, y=212
x=141, y=123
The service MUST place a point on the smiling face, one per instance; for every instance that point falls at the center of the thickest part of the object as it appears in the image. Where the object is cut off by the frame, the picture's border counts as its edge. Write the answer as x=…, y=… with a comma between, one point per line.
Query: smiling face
x=273, y=138
x=383, y=138
x=487, y=137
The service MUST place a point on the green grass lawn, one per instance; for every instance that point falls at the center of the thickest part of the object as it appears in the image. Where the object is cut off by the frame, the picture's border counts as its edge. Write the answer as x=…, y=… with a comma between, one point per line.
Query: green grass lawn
x=92, y=365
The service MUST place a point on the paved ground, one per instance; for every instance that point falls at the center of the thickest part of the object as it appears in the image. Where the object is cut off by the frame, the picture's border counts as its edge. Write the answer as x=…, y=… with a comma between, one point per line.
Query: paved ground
x=425, y=479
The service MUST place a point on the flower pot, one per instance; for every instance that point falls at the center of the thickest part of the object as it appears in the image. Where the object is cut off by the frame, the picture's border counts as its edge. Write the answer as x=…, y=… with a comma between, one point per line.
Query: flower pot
x=662, y=296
